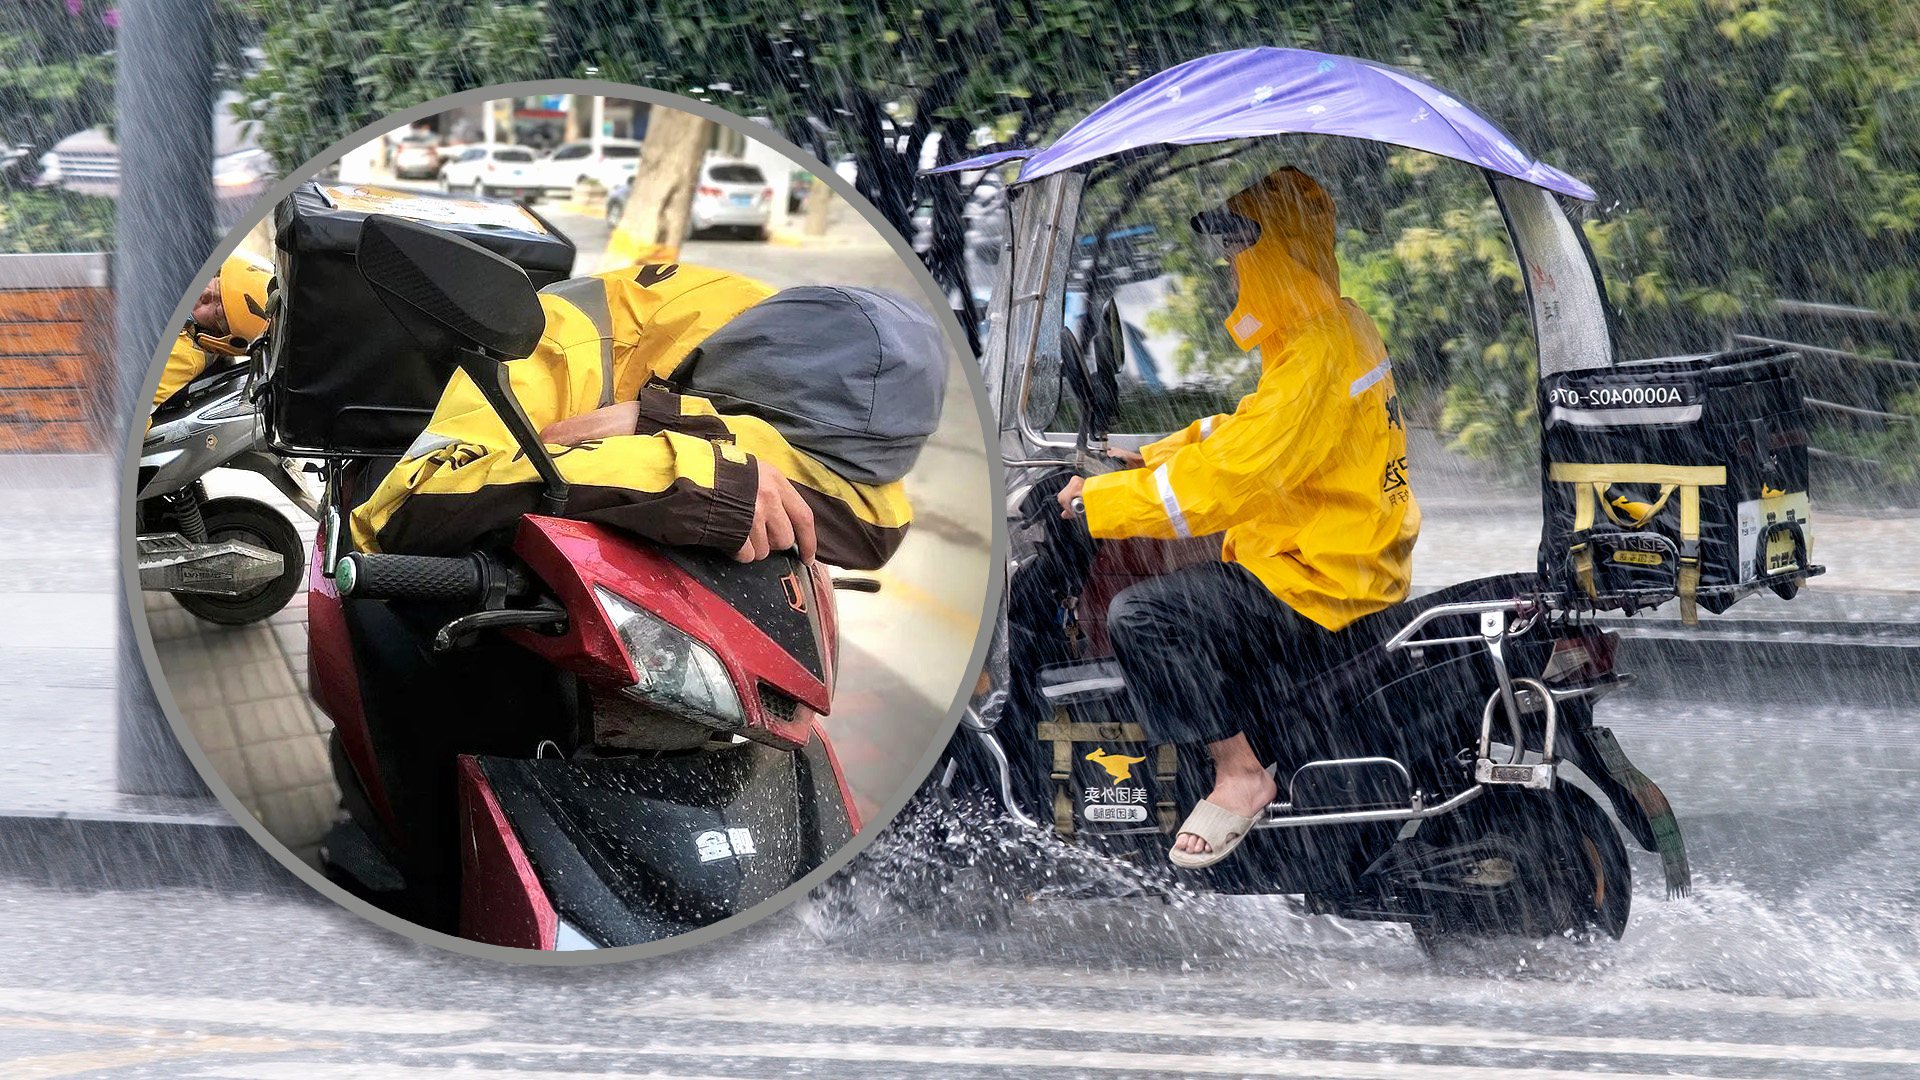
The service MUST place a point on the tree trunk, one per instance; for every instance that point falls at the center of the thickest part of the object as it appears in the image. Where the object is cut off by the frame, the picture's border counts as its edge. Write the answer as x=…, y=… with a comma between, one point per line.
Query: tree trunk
x=819, y=208
x=660, y=205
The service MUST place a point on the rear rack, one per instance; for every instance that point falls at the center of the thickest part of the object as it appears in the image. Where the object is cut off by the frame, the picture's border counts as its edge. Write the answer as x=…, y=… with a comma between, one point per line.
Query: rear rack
x=1499, y=620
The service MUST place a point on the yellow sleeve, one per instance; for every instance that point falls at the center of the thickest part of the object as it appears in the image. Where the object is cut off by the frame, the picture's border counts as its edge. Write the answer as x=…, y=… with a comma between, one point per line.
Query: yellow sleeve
x=858, y=526
x=1280, y=433
x=1157, y=452
x=465, y=477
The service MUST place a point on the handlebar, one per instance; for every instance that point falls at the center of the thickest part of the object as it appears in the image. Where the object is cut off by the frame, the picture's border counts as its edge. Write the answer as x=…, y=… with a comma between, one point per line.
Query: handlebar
x=463, y=579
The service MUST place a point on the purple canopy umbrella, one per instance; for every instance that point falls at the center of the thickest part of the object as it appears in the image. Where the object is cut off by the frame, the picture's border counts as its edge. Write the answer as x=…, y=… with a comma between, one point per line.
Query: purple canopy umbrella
x=1266, y=91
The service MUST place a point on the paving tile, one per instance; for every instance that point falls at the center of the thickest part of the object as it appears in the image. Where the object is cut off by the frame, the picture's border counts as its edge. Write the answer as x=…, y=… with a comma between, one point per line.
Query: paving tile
x=291, y=639
x=227, y=762
x=272, y=718
x=240, y=644
x=169, y=623
x=285, y=764
x=195, y=690
x=183, y=654
x=254, y=681
x=297, y=818
x=213, y=727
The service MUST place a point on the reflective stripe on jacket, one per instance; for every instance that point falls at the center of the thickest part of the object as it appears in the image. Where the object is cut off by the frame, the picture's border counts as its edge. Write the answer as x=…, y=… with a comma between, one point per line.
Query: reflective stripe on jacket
x=686, y=476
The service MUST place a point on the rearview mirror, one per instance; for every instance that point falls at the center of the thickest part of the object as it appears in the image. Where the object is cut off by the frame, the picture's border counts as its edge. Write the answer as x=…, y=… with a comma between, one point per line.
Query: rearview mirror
x=451, y=294
x=1109, y=357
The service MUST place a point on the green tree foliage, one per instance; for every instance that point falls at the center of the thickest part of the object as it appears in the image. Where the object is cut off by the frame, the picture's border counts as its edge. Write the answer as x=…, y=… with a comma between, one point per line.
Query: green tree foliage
x=57, y=77
x=53, y=220
x=1742, y=149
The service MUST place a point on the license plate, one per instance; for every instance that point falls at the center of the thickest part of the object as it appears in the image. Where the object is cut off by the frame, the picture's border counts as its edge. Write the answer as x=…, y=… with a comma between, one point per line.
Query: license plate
x=743, y=200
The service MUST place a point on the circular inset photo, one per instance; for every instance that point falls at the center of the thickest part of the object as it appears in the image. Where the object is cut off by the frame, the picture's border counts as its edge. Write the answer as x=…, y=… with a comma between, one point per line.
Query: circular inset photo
x=565, y=521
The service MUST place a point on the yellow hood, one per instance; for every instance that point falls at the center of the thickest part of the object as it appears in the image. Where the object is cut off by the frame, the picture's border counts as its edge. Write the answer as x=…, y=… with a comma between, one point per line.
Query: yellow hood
x=1290, y=274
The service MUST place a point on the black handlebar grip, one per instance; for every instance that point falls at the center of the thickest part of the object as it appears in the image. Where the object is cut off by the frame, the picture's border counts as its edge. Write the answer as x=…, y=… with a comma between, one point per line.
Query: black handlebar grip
x=410, y=577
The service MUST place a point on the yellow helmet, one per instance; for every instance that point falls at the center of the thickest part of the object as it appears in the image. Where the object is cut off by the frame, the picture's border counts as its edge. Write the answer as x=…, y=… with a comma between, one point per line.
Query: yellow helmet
x=243, y=294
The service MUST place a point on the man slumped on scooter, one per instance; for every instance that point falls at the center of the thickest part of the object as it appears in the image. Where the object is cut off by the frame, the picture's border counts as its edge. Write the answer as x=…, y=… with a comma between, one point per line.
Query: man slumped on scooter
x=691, y=407
x=1308, y=480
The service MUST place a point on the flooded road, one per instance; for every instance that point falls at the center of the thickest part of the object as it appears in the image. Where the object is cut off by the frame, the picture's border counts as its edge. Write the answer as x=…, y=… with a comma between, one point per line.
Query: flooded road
x=1797, y=956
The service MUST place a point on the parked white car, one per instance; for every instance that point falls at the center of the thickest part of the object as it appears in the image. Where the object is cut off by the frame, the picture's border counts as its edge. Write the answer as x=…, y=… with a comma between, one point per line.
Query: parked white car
x=611, y=163
x=499, y=170
x=732, y=195
x=88, y=163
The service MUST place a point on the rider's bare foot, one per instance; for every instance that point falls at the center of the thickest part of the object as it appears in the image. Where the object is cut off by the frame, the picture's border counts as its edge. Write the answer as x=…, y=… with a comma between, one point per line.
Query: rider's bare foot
x=1240, y=784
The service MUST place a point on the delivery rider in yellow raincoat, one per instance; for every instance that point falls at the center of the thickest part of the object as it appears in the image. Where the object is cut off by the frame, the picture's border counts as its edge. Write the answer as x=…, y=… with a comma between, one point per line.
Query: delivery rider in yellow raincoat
x=1307, y=478
x=610, y=389
x=230, y=312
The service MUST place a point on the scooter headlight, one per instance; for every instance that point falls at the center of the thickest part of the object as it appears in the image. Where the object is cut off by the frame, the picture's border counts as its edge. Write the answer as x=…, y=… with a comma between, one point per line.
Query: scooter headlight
x=674, y=673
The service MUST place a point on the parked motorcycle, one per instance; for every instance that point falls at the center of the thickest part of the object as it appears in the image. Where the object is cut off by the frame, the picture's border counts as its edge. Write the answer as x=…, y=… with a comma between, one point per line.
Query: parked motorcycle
x=1446, y=770
x=576, y=739
x=230, y=560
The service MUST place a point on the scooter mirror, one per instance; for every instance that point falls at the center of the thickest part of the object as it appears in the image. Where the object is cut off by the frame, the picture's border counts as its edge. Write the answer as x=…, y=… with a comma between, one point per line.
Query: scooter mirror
x=451, y=294
x=1109, y=357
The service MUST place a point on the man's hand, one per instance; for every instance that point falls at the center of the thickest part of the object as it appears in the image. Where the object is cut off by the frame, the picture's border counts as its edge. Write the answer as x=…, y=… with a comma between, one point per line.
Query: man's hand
x=1130, y=458
x=781, y=519
x=604, y=423
x=1068, y=494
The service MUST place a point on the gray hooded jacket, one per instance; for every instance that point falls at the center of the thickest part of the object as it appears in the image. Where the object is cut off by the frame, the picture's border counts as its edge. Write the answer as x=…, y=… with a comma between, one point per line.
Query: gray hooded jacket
x=851, y=377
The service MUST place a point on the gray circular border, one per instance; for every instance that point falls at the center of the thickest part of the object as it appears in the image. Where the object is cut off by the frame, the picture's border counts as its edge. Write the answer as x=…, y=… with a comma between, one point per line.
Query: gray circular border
x=997, y=556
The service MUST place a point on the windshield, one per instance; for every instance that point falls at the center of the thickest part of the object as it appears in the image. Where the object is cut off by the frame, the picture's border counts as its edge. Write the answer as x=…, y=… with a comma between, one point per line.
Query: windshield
x=1425, y=255
x=737, y=174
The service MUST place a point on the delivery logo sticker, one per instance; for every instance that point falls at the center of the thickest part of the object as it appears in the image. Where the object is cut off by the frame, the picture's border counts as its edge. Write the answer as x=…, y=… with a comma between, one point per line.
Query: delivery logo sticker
x=1118, y=767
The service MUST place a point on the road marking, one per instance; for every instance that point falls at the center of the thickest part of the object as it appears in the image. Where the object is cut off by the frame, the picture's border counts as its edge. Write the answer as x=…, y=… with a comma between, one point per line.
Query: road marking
x=763, y=1011
x=896, y=587
x=335, y=1070
x=48, y=1066
x=47, y=1023
x=1407, y=987
x=1082, y=1060
x=237, y=1012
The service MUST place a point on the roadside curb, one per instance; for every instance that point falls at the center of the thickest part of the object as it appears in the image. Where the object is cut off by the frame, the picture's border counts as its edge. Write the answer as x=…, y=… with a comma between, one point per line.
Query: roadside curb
x=121, y=850
x=1856, y=662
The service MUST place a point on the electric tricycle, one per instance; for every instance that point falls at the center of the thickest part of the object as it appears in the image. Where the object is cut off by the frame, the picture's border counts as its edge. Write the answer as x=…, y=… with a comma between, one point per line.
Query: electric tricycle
x=1445, y=771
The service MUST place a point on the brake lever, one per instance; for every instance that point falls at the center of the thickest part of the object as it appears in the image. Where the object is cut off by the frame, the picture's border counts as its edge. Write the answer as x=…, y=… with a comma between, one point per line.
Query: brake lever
x=464, y=630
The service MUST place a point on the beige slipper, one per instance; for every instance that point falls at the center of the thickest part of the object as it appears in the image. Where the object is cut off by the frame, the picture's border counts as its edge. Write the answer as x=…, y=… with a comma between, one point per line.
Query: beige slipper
x=1221, y=828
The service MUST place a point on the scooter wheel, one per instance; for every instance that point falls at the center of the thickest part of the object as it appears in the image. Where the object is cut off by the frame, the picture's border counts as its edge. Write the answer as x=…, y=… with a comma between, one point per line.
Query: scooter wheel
x=256, y=523
x=1561, y=865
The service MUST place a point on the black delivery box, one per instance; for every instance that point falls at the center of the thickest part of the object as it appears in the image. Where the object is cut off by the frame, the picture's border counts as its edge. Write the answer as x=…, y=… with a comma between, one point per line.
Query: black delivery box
x=343, y=377
x=1682, y=477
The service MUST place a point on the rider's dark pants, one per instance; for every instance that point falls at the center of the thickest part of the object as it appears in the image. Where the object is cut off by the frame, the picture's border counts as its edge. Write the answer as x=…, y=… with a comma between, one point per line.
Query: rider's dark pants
x=1204, y=647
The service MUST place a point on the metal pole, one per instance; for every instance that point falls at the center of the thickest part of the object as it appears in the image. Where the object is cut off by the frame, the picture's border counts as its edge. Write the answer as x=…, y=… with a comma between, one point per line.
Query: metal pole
x=166, y=230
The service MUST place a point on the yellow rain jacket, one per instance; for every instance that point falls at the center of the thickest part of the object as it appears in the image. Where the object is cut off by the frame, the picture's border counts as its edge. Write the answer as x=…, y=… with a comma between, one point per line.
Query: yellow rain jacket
x=185, y=362
x=1308, y=476
x=686, y=476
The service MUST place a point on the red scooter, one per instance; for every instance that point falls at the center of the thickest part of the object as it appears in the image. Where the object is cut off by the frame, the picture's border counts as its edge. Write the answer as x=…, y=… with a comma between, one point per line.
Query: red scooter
x=576, y=739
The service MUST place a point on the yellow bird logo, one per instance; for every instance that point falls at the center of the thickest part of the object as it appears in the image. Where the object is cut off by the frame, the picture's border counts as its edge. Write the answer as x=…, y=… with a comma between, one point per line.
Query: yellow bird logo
x=1118, y=767
x=1634, y=510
